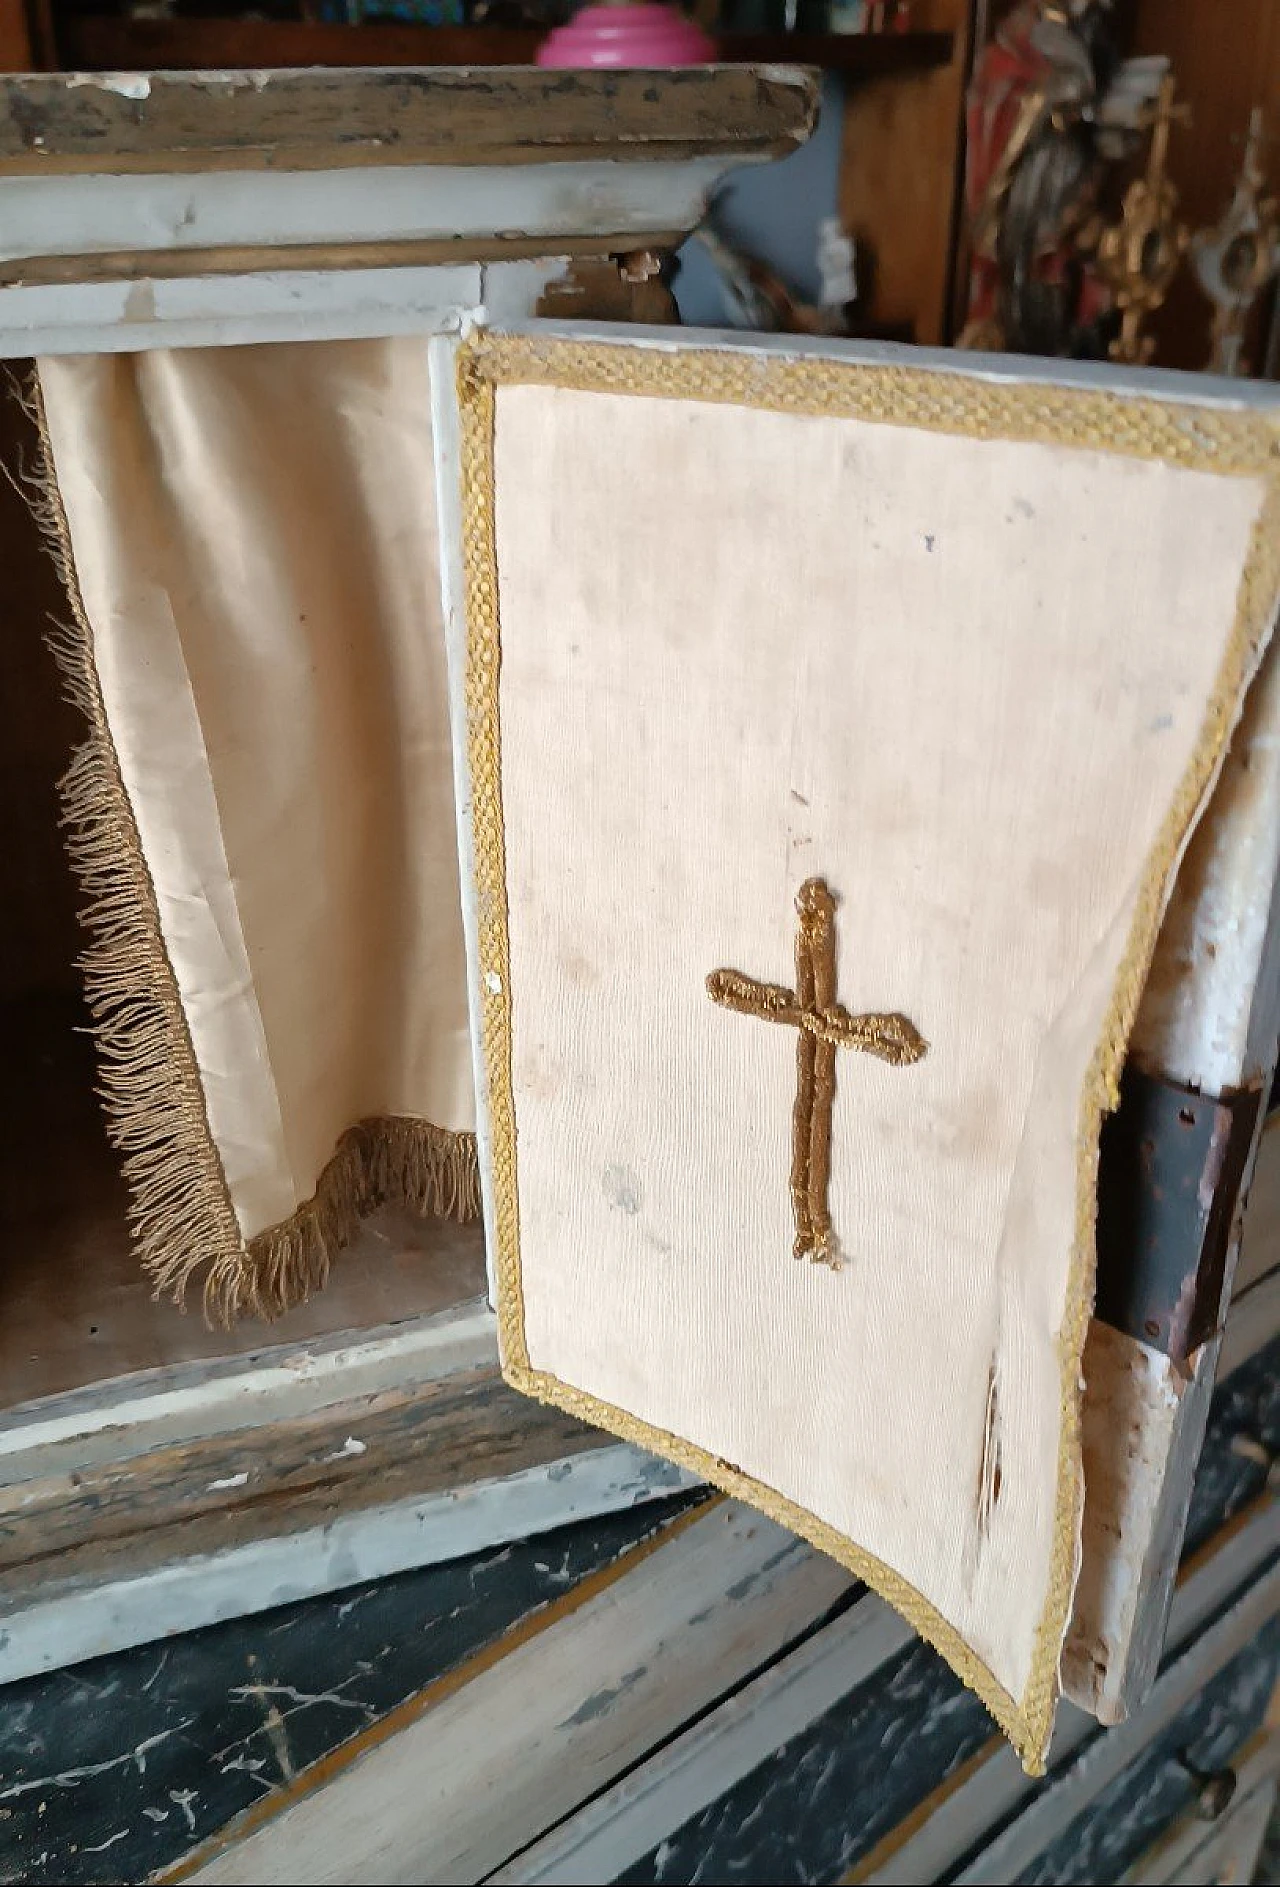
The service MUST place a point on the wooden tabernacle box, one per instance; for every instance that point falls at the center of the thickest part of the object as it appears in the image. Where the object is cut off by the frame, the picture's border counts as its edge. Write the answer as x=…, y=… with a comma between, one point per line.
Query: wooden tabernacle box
x=867, y=812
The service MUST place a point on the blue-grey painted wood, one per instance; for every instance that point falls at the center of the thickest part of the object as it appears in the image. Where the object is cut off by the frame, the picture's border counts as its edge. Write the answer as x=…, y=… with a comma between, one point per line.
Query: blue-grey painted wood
x=111, y=1771
x=137, y=1756
x=1128, y=1816
x=821, y=1803
x=831, y=1793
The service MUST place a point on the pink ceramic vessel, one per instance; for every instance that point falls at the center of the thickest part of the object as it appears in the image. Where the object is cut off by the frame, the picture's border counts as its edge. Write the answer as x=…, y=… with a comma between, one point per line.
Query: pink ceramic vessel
x=627, y=34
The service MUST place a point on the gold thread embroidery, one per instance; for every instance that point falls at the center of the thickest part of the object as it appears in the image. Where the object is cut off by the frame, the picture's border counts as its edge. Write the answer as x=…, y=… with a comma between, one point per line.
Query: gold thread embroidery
x=1235, y=443
x=824, y=1025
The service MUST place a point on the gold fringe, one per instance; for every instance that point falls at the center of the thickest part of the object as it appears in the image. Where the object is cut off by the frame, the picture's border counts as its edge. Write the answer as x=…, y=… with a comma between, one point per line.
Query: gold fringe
x=386, y=1160
x=1235, y=443
x=180, y=1209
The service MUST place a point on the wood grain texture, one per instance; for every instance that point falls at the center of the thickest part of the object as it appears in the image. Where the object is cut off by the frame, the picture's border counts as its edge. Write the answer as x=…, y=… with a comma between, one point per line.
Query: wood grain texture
x=410, y=1442
x=900, y=173
x=168, y=265
x=186, y=1575
x=320, y=119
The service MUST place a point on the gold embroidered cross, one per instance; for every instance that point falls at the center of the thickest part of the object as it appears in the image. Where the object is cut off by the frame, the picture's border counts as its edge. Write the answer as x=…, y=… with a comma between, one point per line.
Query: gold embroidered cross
x=824, y=1025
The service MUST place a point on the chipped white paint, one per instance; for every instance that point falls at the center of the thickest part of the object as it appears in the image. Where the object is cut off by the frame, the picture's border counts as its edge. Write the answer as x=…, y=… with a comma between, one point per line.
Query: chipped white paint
x=230, y=1481
x=135, y=85
x=349, y=1448
x=1132, y=1404
x=135, y=1758
x=1208, y=1015
x=282, y=305
x=56, y=1627
x=232, y=79
x=66, y=215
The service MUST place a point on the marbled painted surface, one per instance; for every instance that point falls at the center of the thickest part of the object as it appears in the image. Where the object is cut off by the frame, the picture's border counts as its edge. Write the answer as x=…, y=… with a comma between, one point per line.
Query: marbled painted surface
x=1140, y=1804
x=823, y=1800
x=1247, y=1406
x=112, y=1769
x=831, y=1793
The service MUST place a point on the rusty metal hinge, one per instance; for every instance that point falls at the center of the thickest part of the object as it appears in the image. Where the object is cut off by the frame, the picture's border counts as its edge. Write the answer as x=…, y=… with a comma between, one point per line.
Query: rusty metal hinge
x=1170, y=1166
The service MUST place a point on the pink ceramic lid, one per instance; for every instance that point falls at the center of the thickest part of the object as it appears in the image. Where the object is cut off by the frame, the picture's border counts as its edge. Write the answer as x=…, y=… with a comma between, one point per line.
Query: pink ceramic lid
x=627, y=35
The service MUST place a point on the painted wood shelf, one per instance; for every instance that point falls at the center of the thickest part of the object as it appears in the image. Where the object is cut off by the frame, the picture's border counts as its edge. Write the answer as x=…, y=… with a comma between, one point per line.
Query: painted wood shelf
x=106, y=43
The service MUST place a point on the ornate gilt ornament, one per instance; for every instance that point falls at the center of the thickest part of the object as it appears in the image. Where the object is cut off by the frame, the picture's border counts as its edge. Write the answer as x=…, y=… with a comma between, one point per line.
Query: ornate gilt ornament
x=1138, y=256
x=1236, y=258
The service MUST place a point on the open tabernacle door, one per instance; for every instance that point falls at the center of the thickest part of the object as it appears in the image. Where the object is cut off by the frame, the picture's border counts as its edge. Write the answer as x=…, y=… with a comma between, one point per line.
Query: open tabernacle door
x=835, y=726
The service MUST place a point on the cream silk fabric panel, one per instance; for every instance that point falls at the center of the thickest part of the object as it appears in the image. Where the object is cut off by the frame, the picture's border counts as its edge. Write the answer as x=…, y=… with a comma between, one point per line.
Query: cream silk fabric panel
x=253, y=534
x=968, y=681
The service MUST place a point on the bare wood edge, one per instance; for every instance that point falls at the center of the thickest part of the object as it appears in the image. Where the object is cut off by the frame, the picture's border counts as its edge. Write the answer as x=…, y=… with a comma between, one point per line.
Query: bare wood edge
x=411, y=1442
x=1110, y=1671
x=312, y=118
x=182, y=1401
x=116, y=265
x=120, y=1419
x=1111, y=1680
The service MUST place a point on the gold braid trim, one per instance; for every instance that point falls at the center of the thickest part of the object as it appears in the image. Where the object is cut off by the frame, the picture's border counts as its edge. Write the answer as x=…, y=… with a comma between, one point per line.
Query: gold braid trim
x=180, y=1208
x=1228, y=443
